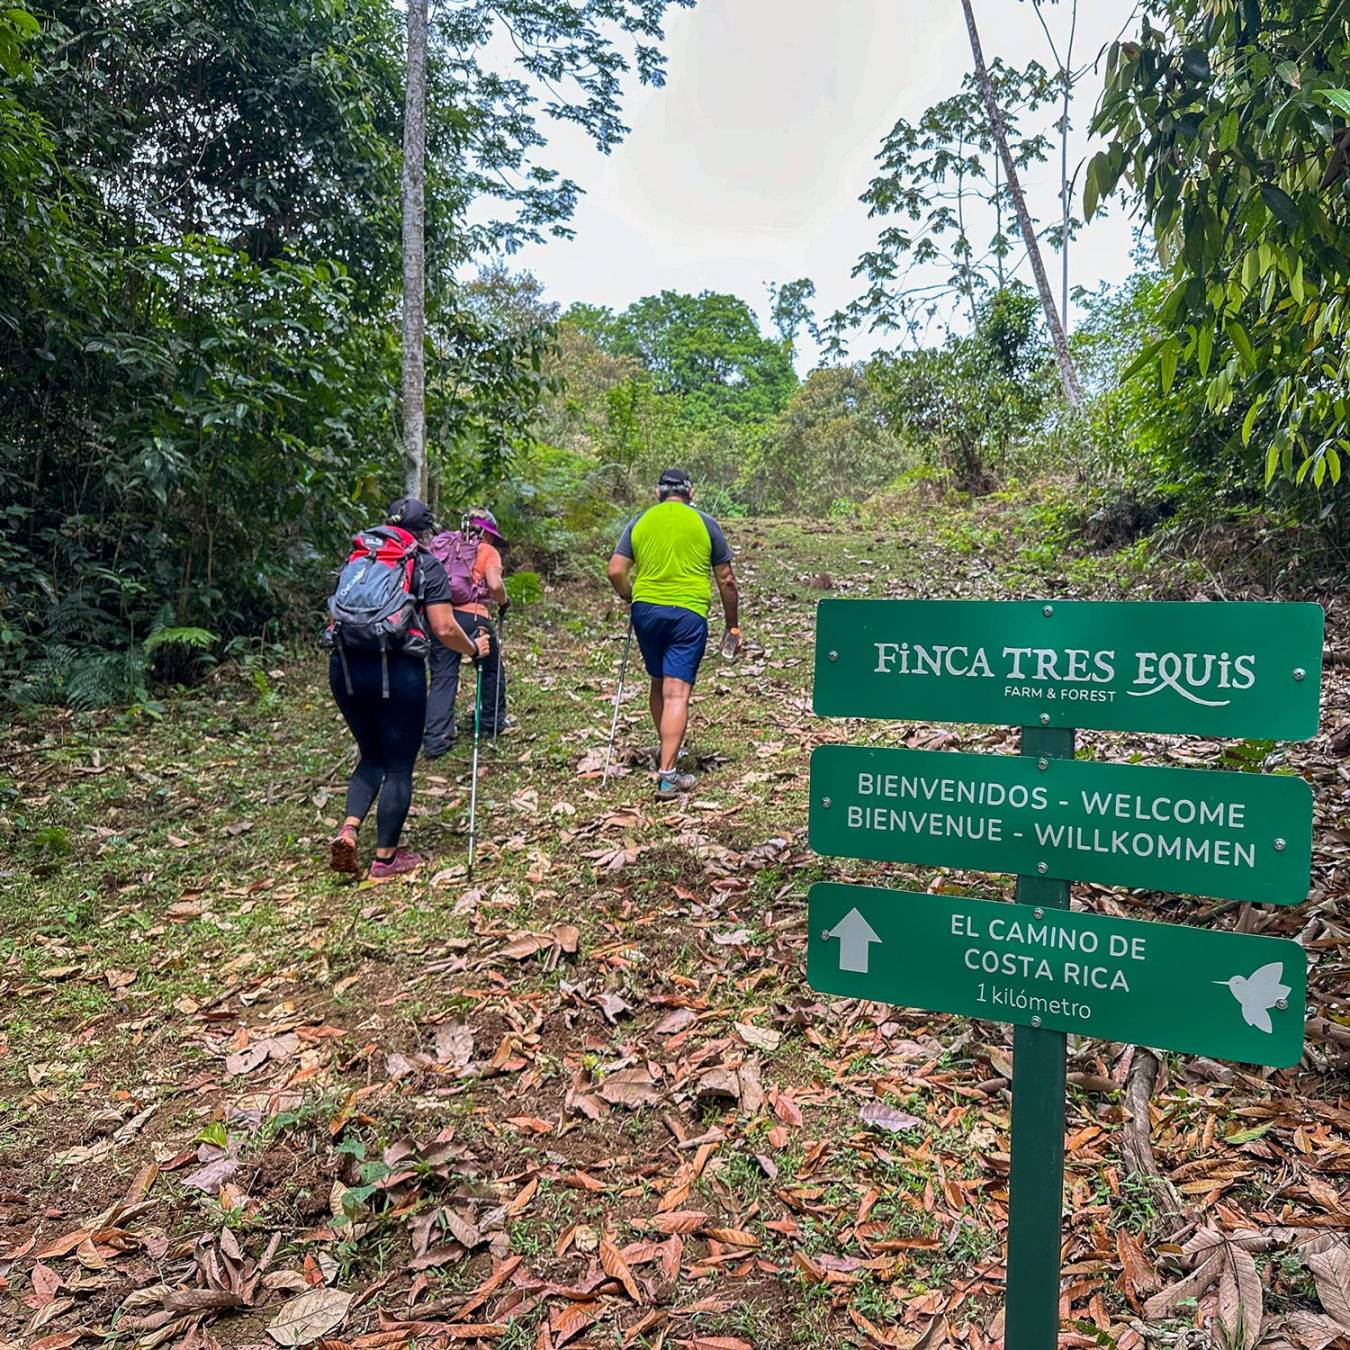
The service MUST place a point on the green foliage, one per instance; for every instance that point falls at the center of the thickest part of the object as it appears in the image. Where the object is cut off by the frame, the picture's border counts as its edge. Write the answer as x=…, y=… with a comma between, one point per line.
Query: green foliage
x=199, y=258
x=196, y=639
x=52, y=839
x=82, y=676
x=792, y=309
x=552, y=503
x=965, y=406
x=524, y=588
x=685, y=379
x=705, y=349
x=940, y=182
x=1230, y=122
x=832, y=441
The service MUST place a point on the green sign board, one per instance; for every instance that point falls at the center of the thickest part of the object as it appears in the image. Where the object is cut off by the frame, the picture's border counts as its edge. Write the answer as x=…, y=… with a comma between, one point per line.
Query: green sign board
x=1242, y=669
x=1229, y=995
x=1242, y=836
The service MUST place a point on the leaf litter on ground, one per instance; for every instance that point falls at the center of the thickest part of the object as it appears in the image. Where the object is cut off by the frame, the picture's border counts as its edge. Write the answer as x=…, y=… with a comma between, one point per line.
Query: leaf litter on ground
x=592, y=1096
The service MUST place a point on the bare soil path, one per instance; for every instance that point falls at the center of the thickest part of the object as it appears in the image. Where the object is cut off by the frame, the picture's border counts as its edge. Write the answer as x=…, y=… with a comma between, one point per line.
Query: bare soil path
x=589, y=1100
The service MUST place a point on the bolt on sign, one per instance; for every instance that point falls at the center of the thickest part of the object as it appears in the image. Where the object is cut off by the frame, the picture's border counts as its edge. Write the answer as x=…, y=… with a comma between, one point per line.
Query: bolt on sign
x=1230, y=995
x=1238, y=836
x=1228, y=668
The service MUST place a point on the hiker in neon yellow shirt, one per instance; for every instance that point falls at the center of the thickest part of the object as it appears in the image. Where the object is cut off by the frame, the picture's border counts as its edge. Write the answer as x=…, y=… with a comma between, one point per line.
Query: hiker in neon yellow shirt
x=661, y=566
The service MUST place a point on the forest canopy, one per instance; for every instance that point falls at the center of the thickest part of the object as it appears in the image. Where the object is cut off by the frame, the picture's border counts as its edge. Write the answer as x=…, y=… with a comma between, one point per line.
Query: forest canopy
x=199, y=258
x=199, y=282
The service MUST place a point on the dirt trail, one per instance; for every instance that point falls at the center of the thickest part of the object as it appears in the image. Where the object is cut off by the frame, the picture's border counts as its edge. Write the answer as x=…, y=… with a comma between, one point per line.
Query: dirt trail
x=589, y=1101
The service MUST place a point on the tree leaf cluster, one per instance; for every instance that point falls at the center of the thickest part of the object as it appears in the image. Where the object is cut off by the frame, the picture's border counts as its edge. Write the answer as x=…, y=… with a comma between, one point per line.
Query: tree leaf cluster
x=944, y=204
x=965, y=405
x=1227, y=126
x=199, y=266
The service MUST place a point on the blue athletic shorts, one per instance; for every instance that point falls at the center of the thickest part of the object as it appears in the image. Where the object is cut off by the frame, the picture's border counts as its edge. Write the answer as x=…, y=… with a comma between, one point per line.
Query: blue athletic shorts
x=672, y=640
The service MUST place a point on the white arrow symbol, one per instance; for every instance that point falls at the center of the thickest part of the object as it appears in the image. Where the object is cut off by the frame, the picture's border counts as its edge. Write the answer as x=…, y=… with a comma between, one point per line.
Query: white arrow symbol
x=855, y=938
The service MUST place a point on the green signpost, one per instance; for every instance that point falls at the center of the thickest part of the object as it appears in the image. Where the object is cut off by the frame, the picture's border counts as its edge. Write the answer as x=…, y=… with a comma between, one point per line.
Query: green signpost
x=1227, y=995
x=1224, y=669
x=1240, y=836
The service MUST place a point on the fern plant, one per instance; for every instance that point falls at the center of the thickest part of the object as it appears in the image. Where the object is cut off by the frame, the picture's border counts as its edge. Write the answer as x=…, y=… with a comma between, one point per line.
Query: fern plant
x=85, y=677
x=178, y=655
x=82, y=677
x=524, y=588
x=195, y=639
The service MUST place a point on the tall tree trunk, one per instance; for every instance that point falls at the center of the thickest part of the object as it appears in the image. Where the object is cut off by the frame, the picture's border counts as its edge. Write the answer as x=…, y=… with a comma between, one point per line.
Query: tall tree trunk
x=998, y=220
x=1064, y=206
x=414, y=255
x=1073, y=391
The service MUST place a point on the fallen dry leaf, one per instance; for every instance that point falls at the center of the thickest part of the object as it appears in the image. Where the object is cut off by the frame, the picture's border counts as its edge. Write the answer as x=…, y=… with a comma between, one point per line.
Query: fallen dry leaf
x=614, y=1265
x=306, y=1318
x=884, y=1117
x=630, y=1087
x=680, y=1221
x=1331, y=1274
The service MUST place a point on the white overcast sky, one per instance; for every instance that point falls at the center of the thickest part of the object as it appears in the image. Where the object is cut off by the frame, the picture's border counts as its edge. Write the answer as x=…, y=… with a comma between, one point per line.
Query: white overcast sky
x=747, y=166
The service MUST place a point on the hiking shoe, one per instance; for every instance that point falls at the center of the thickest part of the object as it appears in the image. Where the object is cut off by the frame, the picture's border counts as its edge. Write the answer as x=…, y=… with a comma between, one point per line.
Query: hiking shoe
x=404, y=860
x=342, y=851
x=430, y=752
x=670, y=785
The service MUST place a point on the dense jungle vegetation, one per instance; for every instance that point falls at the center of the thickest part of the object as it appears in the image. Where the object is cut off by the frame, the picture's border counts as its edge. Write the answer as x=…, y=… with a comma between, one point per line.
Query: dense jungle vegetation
x=199, y=262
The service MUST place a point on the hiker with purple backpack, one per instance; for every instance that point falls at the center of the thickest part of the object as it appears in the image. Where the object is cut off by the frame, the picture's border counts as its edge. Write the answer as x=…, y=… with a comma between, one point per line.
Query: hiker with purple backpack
x=391, y=607
x=473, y=567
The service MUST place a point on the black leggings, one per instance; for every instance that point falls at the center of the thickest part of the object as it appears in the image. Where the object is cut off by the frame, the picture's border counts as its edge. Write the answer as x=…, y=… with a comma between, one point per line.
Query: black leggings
x=388, y=731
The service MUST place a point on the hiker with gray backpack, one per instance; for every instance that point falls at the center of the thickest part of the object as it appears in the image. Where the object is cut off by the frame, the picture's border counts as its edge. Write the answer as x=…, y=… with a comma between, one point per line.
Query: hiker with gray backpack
x=390, y=608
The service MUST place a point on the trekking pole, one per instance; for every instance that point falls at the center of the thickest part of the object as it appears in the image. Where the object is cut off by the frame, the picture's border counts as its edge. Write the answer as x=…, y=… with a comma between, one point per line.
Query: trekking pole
x=618, y=698
x=498, y=701
x=473, y=784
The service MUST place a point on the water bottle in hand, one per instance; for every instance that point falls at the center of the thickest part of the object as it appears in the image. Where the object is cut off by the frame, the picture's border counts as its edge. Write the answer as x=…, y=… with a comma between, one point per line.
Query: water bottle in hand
x=731, y=643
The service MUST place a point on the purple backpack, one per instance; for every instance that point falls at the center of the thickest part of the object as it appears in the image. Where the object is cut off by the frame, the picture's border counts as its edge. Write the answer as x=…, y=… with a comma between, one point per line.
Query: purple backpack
x=458, y=555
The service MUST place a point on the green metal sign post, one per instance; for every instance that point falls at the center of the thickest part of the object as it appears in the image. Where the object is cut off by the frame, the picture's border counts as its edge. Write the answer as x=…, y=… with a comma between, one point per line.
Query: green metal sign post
x=1036, y=1178
x=1239, y=836
x=1222, y=669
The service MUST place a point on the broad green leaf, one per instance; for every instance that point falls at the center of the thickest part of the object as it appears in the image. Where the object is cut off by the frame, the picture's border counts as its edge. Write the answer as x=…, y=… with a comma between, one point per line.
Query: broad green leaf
x=1145, y=358
x=1272, y=462
x=1249, y=421
x=215, y=1134
x=1095, y=183
x=1280, y=204
x=1238, y=336
x=22, y=21
x=1204, y=348
x=1288, y=72
x=1170, y=353
x=1338, y=98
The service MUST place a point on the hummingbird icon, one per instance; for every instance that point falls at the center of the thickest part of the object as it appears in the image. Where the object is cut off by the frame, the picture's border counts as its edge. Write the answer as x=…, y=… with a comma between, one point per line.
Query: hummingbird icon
x=1258, y=993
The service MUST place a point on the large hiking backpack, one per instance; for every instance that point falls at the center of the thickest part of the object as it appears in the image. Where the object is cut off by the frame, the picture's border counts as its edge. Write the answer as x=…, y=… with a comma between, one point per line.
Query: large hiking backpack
x=376, y=603
x=458, y=553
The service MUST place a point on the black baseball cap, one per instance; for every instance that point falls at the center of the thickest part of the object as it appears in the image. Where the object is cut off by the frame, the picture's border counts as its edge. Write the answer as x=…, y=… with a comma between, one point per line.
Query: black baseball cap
x=412, y=515
x=678, y=479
